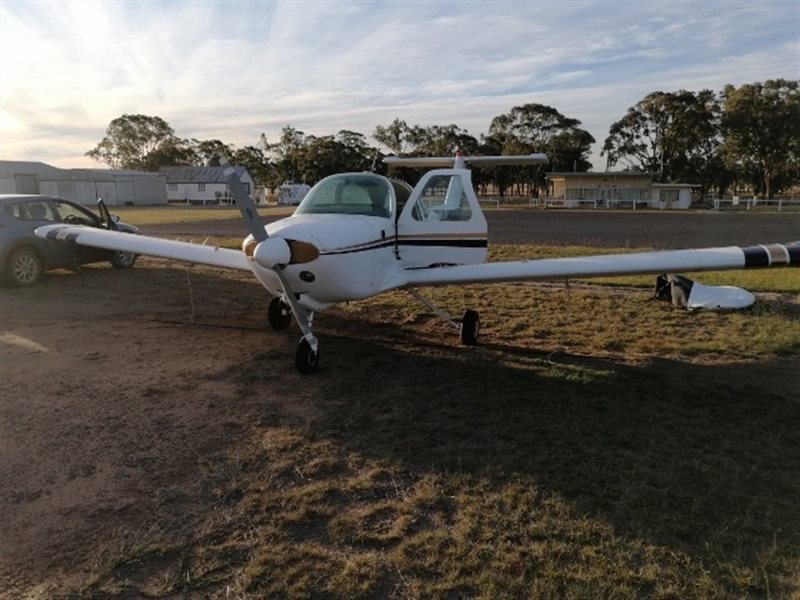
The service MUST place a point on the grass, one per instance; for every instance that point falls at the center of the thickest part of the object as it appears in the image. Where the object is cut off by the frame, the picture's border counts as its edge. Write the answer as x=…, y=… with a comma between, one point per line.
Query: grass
x=596, y=445
x=150, y=215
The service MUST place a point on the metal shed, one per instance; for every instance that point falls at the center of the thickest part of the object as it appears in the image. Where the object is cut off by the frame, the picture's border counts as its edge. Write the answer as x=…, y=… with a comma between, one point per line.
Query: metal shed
x=115, y=186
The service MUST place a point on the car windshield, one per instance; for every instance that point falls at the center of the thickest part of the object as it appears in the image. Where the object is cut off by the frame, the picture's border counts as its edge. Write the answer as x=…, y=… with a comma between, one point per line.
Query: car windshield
x=353, y=194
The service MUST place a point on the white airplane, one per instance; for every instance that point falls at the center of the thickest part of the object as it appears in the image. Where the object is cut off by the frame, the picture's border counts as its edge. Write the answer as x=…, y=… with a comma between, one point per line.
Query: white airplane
x=356, y=235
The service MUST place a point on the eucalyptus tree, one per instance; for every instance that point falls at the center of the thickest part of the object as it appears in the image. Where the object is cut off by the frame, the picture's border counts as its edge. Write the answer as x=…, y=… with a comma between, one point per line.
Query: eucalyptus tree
x=540, y=128
x=140, y=142
x=761, y=129
x=673, y=134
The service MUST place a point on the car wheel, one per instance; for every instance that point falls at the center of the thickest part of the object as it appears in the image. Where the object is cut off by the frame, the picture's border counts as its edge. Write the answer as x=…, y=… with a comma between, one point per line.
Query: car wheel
x=123, y=260
x=24, y=267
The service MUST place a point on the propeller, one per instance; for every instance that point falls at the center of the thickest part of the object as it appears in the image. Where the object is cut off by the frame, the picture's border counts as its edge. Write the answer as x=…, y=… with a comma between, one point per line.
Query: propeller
x=267, y=252
x=275, y=253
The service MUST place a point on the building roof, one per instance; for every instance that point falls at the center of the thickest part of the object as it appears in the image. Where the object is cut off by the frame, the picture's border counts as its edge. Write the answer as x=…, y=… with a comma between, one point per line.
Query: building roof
x=617, y=174
x=199, y=174
x=45, y=172
x=9, y=168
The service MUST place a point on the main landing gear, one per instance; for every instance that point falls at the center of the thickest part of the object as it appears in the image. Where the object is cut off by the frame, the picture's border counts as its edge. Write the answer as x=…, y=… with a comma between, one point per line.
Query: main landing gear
x=279, y=315
x=468, y=327
x=306, y=358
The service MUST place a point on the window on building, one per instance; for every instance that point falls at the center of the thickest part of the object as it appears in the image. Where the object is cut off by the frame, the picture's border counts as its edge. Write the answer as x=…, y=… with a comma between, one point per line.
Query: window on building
x=172, y=187
x=201, y=187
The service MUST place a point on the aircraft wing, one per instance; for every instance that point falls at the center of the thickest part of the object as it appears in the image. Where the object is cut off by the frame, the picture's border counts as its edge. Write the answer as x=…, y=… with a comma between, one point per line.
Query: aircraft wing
x=642, y=263
x=142, y=244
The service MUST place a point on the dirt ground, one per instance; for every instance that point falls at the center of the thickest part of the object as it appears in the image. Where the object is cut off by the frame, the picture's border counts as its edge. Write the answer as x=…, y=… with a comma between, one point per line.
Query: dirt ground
x=110, y=410
x=123, y=399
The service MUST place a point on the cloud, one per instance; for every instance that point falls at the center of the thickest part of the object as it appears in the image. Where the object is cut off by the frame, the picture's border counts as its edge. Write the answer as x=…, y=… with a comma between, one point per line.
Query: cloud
x=235, y=70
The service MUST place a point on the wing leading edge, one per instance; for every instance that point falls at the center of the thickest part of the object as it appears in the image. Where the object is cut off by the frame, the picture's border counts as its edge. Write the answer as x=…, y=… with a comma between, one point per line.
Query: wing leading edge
x=150, y=246
x=643, y=263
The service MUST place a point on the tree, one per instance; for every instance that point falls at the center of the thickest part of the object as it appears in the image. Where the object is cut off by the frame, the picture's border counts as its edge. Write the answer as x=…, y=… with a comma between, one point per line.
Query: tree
x=664, y=133
x=210, y=151
x=539, y=128
x=761, y=129
x=288, y=154
x=256, y=162
x=395, y=136
x=139, y=142
x=674, y=134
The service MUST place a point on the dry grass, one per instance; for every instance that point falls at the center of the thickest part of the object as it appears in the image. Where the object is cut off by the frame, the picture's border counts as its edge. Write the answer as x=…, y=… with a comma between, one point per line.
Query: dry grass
x=154, y=215
x=597, y=445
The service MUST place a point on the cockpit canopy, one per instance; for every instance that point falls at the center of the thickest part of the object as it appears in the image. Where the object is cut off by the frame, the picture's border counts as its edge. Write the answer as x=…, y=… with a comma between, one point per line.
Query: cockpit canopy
x=350, y=194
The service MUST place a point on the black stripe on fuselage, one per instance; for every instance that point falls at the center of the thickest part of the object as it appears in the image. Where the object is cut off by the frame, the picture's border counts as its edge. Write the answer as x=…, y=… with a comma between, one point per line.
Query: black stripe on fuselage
x=450, y=243
x=444, y=242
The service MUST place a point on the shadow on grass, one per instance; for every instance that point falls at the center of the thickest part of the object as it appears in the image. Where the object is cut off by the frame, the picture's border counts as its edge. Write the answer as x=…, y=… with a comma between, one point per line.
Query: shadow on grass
x=700, y=460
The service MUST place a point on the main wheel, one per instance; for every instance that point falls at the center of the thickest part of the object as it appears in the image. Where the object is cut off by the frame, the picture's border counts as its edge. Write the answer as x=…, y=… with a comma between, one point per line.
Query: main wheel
x=279, y=315
x=123, y=260
x=24, y=267
x=305, y=359
x=470, y=328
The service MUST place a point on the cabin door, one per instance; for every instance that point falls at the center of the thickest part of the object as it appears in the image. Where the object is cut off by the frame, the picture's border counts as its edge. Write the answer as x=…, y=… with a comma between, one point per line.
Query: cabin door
x=442, y=222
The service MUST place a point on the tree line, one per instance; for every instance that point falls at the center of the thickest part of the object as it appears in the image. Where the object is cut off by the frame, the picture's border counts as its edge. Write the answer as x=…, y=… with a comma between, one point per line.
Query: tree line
x=748, y=135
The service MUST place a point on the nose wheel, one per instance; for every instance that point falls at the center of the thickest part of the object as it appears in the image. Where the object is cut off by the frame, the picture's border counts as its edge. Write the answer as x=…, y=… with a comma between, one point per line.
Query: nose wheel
x=279, y=314
x=306, y=359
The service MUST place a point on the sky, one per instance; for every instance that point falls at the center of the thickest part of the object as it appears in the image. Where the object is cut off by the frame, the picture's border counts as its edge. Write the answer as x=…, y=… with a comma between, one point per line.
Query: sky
x=233, y=70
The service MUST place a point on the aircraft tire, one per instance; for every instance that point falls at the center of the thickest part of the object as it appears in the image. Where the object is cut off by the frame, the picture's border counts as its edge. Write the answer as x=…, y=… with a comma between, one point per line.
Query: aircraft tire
x=278, y=314
x=470, y=328
x=305, y=359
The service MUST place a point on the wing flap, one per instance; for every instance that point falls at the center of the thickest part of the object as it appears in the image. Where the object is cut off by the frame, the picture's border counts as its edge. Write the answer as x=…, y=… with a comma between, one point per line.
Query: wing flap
x=150, y=246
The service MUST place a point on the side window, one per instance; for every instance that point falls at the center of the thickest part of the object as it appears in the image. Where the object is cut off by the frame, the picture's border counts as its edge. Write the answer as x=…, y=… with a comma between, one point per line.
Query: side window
x=34, y=210
x=73, y=215
x=443, y=199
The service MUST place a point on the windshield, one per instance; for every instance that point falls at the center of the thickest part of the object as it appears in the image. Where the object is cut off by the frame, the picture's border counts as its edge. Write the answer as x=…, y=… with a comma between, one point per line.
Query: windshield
x=353, y=194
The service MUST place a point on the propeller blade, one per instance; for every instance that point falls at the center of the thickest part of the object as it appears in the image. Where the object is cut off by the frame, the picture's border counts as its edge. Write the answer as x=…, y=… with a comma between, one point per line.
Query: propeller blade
x=273, y=253
x=243, y=201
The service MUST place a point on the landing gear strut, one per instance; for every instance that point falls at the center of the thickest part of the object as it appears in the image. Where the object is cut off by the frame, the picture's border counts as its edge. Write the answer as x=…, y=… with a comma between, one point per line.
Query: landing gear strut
x=306, y=358
x=468, y=327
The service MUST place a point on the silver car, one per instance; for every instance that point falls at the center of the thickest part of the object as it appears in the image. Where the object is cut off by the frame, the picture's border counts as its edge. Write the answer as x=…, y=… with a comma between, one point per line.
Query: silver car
x=24, y=257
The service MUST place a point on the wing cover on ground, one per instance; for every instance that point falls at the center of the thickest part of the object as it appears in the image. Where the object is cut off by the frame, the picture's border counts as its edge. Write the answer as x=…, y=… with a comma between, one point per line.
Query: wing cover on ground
x=643, y=263
x=142, y=244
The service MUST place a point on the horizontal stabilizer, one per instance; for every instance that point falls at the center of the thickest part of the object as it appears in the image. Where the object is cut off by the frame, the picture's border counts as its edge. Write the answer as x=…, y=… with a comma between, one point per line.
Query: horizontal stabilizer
x=453, y=161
